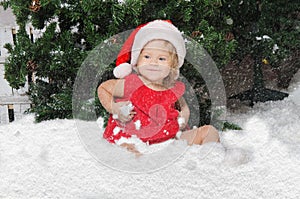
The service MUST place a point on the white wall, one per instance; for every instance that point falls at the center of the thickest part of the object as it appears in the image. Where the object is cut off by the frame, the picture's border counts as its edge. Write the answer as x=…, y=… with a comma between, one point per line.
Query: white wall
x=7, y=22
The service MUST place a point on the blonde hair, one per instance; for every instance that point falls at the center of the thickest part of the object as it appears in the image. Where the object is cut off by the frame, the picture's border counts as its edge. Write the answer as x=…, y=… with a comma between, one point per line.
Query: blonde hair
x=170, y=80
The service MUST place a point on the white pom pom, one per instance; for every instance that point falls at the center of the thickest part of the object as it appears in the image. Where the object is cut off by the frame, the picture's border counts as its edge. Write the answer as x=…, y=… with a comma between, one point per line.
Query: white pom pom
x=122, y=70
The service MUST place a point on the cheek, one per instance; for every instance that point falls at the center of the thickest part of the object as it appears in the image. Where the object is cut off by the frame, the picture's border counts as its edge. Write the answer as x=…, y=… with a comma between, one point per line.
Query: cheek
x=141, y=62
x=167, y=71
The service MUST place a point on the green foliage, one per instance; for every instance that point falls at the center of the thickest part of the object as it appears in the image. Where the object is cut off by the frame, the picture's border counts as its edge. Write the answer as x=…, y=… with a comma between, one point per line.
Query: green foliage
x=268, y=31
x=204, y=18
x=15, y=67
x=278, y=20
x=73, y=28
x=50, y=101
x=284, y=28
x=230, y=126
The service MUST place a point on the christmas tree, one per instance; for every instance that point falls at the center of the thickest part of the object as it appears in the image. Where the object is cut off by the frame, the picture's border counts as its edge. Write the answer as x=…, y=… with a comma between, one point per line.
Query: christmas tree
x=269, y=32
x=74, y=28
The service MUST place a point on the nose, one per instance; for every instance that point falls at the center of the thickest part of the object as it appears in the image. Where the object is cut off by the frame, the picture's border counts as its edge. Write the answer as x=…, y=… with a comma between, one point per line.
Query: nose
x=153, y=61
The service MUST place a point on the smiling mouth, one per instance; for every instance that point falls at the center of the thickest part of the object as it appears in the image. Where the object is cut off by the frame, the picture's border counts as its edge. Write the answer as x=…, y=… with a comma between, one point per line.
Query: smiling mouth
x=152, y=69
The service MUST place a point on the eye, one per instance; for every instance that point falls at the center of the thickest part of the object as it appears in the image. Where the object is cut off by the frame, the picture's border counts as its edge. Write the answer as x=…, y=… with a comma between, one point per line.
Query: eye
x=146, y=56
x=162, y=59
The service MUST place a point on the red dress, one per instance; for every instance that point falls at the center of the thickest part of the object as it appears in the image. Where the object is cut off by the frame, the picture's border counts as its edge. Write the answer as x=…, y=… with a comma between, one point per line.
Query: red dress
x=155, y=113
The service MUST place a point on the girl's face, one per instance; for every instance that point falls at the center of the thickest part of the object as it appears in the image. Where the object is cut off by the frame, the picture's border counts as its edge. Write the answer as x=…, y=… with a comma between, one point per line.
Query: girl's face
x=155, y=61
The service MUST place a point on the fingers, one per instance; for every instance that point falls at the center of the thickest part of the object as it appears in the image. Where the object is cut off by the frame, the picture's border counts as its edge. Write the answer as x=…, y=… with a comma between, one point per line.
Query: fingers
x=123, y=111
x=182, y=127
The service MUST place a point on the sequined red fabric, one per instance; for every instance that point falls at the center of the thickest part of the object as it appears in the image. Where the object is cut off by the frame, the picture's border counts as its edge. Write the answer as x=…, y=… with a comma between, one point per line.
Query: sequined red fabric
x=155, y=112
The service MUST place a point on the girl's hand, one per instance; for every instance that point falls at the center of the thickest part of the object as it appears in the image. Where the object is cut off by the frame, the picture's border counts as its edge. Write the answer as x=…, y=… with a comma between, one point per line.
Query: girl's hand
x=122, y=111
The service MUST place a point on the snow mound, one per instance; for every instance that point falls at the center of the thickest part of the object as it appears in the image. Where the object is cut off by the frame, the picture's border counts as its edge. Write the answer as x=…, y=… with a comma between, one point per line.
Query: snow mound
x=50, y=160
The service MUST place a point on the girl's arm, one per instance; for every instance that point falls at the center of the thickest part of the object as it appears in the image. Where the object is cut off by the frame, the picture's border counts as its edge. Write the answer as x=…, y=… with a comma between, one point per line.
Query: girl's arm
x=107, y=91
x=184, y=112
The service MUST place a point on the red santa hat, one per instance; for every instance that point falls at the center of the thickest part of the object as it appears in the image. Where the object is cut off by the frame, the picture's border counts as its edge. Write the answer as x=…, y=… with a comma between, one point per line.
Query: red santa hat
x=158, y=29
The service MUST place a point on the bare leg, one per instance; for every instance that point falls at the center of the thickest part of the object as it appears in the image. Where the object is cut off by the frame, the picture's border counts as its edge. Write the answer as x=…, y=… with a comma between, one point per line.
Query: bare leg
x=201, y=135
x=131, y=148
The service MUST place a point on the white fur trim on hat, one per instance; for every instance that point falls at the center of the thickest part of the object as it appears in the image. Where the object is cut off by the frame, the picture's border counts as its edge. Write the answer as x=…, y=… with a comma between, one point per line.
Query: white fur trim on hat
x=158, y=29
x=122, y=70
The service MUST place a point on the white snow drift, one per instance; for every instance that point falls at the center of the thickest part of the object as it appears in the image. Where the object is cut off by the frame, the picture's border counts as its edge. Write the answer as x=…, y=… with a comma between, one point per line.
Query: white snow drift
x=49, y=160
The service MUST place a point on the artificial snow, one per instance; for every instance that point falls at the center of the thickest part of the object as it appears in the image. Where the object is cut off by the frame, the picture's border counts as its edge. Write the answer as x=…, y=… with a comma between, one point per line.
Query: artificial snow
x=116, y=130
x=62, y=159
x=138, y=124
x=125, y=110
x=181, y=121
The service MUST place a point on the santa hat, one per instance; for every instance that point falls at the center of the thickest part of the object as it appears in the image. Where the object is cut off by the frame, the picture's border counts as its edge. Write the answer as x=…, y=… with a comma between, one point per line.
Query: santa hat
x=158, y=29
